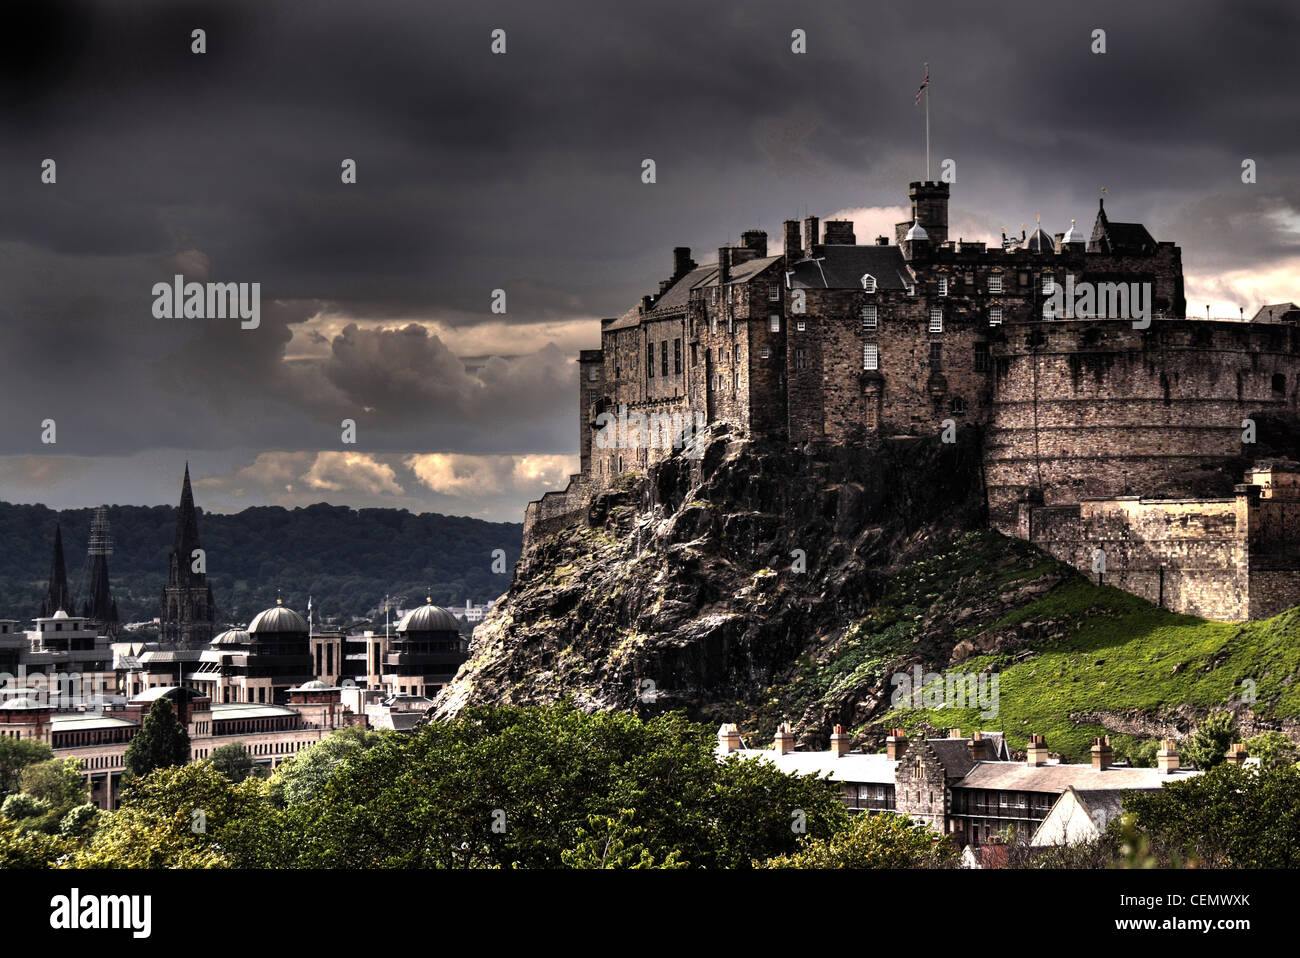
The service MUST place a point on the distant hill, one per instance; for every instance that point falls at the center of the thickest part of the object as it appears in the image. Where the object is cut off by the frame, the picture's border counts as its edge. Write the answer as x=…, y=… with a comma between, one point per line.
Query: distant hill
x=346, y=559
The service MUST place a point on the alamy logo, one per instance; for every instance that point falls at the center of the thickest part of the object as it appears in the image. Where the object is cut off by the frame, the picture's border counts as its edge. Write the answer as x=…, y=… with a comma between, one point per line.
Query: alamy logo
x=1099, y=301
x=956, y=690
x=181, y=300
x=74, y=911
x=636, y=430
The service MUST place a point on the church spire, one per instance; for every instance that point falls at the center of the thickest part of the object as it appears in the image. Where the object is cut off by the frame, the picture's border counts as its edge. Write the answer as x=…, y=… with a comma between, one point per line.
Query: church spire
x=187, y=523
x=186, y=611
x=57, y=596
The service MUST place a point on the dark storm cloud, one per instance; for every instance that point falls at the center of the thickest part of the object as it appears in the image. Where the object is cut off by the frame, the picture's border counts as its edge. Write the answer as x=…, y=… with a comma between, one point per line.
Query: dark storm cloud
x=521, y=172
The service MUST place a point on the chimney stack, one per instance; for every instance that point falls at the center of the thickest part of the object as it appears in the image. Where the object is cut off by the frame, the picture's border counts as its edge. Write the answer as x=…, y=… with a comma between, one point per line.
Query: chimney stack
x=1101, y=753
x=1167, y=757
x=724, y=264
x=793, y=251
x=755, y=240
x=978, y=752
x=1036, y=750
x=810, y=224
x=729, y=737
x=839, y=741
x=784, y=739
x=896, y=743
x=1237, y=754
x=682, y=262
x=839, y=233
x=954, y=733
x=882, y=240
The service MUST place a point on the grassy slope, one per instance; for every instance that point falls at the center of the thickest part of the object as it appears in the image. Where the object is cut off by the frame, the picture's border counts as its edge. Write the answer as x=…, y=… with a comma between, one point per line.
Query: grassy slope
x=1093, y=649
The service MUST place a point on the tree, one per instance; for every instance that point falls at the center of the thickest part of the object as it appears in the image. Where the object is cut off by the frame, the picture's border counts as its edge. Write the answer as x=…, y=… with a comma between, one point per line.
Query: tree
x=28, y=848
x=871, y=841
x=78, y=821
x=300, y=778
x=1208, y=745
x=15, y=755
x=1273, y=748
x=613, y=843
x=162, y=741
x=19, y=806
x=233, y=761
x=1231, y=816
x=60, y=783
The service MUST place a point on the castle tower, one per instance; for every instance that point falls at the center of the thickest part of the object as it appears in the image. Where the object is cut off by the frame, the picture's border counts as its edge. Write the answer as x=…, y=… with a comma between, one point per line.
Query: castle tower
x=100, y=607
x=185, y=615
x=57, y=595
x=930, y=209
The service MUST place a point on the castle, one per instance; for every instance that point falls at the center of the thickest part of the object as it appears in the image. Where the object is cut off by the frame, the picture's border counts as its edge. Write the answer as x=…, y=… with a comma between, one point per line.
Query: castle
x=1107, y=433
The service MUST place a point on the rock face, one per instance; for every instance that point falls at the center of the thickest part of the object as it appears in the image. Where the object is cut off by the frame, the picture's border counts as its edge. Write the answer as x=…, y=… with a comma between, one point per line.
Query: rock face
x=700, y=585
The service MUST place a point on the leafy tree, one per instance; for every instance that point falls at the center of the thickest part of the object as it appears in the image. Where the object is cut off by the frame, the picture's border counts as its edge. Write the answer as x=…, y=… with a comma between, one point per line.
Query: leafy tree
x=613, y=843
x=60, y=783
x=871, y=841
x=233, y=761
x=28, y=848
x=300, y=778
x=1231, y=816
x=504, y=787
x=188, y=816
x=1208, y=745
x=79, y=821
x=19, y=806
x=1273, y=748
x=15, y=755
x=162, y=741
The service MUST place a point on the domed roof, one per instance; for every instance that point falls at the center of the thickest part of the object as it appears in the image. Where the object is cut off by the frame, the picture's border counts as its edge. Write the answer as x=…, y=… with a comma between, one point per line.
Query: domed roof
x=1040, y=242
x=1074, y=235
x=429, y=618
x=917, y=232
x=232, y=637
x=59, y=615
x=277, y=619
x=315, y=685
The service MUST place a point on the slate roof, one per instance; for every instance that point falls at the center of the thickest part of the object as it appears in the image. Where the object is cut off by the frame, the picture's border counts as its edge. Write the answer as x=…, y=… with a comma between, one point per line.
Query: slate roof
x=1274, y=312
x=857, y=767
x=842, y=267
x=677, y=295
x=1056, y=778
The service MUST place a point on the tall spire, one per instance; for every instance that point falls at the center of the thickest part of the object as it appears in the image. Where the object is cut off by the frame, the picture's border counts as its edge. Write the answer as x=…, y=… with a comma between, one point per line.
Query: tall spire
x=186, y=612
x=100, y=607
x=56, y=595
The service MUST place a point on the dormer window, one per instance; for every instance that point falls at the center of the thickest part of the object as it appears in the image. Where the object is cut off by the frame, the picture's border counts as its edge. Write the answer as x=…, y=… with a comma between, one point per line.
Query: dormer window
x=911, y=289
x=868, y=283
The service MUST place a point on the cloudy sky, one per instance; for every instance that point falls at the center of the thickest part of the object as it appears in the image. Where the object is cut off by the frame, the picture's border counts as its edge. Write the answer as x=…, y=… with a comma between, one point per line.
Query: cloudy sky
x=521, y=172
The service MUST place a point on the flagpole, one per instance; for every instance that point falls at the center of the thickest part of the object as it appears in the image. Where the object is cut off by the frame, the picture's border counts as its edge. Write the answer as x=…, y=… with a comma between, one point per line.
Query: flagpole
x=927, y=122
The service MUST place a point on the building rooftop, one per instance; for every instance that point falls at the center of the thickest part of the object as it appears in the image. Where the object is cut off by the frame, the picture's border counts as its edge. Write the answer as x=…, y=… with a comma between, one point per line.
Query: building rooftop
x=229, y=711
x=876, y=768
x=842, y=267
x=1022, y=777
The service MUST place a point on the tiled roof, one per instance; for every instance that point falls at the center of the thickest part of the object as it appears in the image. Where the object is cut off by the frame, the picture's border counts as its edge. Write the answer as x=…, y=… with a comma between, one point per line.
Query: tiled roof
x=842, y=267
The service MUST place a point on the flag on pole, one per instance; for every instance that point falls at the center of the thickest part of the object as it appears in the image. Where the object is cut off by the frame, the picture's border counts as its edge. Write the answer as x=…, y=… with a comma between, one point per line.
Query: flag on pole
x=921, y=89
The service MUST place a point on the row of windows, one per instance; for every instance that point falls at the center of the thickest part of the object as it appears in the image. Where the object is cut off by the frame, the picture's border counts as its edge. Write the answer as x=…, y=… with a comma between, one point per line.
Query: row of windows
x=871, y=357
x=663, y=358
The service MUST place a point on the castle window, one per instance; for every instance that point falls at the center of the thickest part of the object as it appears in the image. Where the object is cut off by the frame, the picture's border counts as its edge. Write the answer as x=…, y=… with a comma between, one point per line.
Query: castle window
x=765, y=353
x=869, y=317
x=1049, y=282
x=800, y=326
x=715, y=296
x=650, y=361
x=995, y=316
x=936, y=357
x=736, y=356
x=677, y=357
x=695, y=354
x=936, y=320
x=943, y=285
x=801, y=359
x=591, y=374
x=1049, y=312
x=958, y=405
x=995, y=283
x=731, y=324
x=774, y=292
x=713, y=325
x=981, y=357
x=1279, y=384
x=774, y=323
x=870, y=356
x=868, y=283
